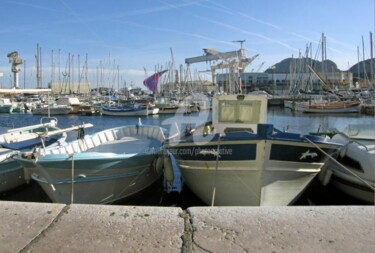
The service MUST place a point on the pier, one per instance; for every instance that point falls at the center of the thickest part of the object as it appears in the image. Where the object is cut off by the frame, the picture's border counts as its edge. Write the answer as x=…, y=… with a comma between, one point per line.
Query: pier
x=45, y=227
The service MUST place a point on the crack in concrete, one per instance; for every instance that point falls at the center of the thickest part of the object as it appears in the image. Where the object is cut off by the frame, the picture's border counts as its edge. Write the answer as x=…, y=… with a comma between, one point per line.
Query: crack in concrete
x=43, y=233
x=187, y=237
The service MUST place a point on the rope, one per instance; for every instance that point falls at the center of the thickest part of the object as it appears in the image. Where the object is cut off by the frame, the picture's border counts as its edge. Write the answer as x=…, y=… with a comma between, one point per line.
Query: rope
x=72, y=192
x=216, y=169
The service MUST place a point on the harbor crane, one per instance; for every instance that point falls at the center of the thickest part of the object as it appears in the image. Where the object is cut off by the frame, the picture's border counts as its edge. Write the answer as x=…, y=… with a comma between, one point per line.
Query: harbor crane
x=259, y=68
x=239, y=41
x=235, y=61
x=15, y=60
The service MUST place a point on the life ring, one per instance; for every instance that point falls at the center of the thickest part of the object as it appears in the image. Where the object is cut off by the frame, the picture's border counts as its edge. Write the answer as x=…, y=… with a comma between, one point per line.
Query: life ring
x=168, y=169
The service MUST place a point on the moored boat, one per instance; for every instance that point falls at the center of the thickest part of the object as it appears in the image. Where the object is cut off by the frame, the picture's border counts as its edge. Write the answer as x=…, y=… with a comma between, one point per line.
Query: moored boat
x=101, y=168
x=86, y=109
x=18, y=140
x=5, y=105
x=240, y=160
x=329, y=107
x=354, y=174
x=128, y=110
x=51, y=110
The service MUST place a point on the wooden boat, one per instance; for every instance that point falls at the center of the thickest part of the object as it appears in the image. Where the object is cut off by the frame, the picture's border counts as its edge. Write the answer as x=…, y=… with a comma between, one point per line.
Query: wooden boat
x=101, y=168
x=86, y=110
x=354, y=174
x=329, y=107
x=23, y=139
x=240, y=160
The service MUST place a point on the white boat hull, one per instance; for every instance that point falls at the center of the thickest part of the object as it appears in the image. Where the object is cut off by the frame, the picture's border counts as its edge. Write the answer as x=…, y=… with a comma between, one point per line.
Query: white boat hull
x=353, y=187
x=359, y=161
x=258, y=187
x=253, y=182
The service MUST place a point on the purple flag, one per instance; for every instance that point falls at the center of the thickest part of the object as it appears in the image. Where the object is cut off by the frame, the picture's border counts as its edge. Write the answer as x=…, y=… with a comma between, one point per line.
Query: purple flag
x=151, y=82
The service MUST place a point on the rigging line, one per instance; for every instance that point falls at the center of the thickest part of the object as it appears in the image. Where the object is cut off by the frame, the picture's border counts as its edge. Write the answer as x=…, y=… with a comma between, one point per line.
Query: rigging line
x=72, y=192
x=216, y=169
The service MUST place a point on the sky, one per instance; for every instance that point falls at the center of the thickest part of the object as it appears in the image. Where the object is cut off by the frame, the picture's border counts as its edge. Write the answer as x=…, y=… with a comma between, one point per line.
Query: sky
x=127, y=40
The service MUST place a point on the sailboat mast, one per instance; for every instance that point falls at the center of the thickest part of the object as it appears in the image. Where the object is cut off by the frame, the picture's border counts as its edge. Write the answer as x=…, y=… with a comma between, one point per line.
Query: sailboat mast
x=59, y=68
x=52, y=68
x=372, y=58
x=364, y=63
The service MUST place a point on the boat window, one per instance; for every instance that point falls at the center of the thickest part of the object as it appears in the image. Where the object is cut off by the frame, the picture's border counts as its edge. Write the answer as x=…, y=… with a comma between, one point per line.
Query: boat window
x=248, y=112
x=239, y=111
x=227, y=111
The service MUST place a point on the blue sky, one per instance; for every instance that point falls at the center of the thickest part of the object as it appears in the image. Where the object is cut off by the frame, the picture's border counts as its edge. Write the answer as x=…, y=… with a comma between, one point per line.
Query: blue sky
x=140, y=34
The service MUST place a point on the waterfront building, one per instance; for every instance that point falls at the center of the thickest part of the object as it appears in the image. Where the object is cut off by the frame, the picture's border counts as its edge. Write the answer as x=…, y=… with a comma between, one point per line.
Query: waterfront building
x=283, y=83
x=69, y=88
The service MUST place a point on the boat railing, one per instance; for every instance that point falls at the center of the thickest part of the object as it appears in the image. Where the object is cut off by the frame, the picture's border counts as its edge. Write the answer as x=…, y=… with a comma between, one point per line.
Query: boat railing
x=52, y=123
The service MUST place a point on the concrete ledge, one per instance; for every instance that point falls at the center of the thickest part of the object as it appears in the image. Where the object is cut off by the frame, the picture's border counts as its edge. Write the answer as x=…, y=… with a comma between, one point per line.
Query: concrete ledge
x=284, y=229
x=41, y=227
x=89, y=228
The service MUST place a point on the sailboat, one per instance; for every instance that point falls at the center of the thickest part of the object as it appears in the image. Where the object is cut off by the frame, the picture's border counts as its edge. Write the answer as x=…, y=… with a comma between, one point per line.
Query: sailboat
x=339, y=105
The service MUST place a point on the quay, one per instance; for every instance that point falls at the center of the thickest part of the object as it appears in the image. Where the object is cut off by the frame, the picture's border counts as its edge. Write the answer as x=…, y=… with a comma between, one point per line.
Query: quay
x=46, y=227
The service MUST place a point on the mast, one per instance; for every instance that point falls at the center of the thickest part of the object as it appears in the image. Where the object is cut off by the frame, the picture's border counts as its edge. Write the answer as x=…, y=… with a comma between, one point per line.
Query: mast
x=71, y=86
x=118, y=78
x=79, y=74
x=372, y=58
x=364, y=63
x=52, y=69
x=358, y=75
x=38, y=76
x=24, y=74
x=59, y=75
x=40, y=69
x=86, y=70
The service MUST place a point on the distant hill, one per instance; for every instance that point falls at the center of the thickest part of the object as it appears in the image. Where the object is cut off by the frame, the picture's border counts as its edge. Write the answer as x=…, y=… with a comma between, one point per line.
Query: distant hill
x=300, y=65
x=364, y=67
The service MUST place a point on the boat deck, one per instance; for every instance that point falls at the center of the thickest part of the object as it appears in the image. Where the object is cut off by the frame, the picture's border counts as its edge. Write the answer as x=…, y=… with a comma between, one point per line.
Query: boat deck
x=127, y=145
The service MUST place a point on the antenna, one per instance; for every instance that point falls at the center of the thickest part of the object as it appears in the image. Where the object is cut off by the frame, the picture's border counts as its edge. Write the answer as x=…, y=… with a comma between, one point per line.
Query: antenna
x=239, y=41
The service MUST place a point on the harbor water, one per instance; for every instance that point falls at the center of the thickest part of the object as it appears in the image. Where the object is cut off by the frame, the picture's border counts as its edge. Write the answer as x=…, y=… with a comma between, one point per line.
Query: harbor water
x=281, y=118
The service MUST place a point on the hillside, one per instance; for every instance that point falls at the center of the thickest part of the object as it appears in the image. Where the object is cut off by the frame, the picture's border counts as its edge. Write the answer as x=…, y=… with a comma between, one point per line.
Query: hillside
x=364, y=67
x=300, y=65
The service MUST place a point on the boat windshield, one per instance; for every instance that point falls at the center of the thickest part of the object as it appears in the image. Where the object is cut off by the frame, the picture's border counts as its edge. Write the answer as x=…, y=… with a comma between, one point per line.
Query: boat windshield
x=239, y=111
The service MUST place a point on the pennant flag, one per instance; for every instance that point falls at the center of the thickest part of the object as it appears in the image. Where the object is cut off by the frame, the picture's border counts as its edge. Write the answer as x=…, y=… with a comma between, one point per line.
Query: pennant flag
x=151, y=82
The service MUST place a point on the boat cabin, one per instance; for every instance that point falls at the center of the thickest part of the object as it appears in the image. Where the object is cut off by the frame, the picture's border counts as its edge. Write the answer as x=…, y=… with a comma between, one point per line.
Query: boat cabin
x=233, y=113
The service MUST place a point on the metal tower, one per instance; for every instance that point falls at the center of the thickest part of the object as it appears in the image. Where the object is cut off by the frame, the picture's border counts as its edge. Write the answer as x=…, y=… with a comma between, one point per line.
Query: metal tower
x=15, y=60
